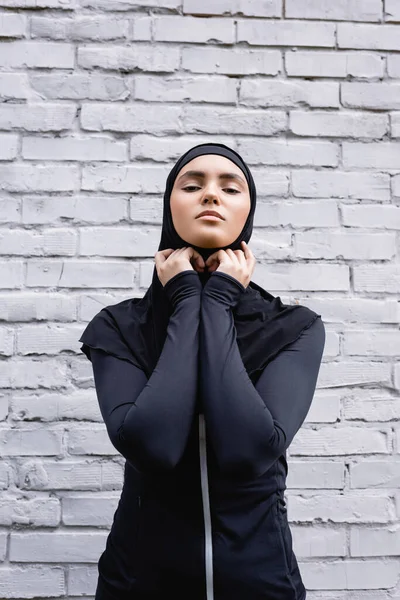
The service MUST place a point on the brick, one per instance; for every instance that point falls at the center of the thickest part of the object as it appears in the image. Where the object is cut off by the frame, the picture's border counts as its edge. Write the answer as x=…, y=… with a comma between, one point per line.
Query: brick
x=329, y=441
x=8, y=146
x=378, y=96
x=333, y=64
x=13, y=86
x=11, y=274
x=31, y=581
x=367, y=343
x=289, y=152
x=392, y=10
x=124, y=5
x=161, y=149
x=90, y=510
x=263, y=92
x=141, y=118
x=62, y=547
x=371, y=215
x=336, y=184
x=51, y=339
x=31, y=374
x=347, y=508
x=23, y=178
x=82, y=580
x=338, y=124
x=381, y=155
x=357, y=246
x=395, y=123
x=353, y=575
x=235, y=61
x=37, y=54
x=121, y=58
x=318, y=541
x=123, y=178
x=90, y=274
x=85, y=474
x=393, y=66
x=12, y=26
x=28, y=442
x=37, y=117
x=80, y=28
x=372, y=279
x=36, y=243
x=196, y=89
x=78, y=208
x=252, y=8
x=341, y=10
x=218, y=121
x=374, y=37
x=316, y=475
x=38, y=307
x=92, y=440
x=54, y=407
x=73, y=148
x=76, y=86
x=286, y=33
x=134, y=241
x=59, y=4
x=375, y=541
x=194, y=30
x=375, y=474
x=39, y=512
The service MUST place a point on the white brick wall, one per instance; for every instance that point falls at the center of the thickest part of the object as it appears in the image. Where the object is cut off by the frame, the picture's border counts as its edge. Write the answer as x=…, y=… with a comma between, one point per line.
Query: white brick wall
x=98, y=98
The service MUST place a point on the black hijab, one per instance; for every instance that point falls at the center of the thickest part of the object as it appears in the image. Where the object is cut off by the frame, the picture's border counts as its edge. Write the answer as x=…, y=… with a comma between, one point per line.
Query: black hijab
x=135, y=329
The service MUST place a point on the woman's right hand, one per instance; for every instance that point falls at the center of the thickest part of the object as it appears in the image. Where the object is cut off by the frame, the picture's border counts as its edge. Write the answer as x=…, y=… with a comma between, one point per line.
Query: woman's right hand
x=171, y=262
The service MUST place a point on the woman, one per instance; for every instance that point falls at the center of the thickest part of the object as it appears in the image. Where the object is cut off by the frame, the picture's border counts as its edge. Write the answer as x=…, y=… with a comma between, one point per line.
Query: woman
x=202, y=385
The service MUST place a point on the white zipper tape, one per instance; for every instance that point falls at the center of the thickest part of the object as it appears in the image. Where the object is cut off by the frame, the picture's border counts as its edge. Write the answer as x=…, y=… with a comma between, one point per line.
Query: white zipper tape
x=206, y=508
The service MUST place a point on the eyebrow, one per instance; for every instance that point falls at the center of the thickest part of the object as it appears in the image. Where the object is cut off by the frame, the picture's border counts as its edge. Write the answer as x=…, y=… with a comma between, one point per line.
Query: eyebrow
x=221, y=176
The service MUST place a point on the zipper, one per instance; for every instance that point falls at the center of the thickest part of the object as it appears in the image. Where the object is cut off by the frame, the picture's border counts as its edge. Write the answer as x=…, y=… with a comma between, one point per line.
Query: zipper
x=206, y=509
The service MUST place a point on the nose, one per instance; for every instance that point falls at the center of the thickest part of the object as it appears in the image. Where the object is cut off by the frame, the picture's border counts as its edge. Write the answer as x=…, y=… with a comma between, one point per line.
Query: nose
x=211, y=193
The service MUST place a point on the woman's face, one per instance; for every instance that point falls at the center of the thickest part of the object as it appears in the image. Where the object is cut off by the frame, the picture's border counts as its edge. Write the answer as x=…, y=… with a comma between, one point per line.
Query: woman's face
x=210, y=182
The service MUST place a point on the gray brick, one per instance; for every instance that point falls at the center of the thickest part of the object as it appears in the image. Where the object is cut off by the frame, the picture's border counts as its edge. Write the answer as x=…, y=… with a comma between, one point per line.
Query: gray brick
x=319, y=184
x=256, y=8
x=235, y=121
x=32, y=581
x=13, y=86
x=83, y=28
x=377, y=96
x=392, y=10
x=374, y=37
x=56, y=547
x=333, y=64
x=8, y=146
x=59, y=4
x=37, y=54
x=263, y=92
x=43, y=178
x=235, y=61
x=141, y=118
x=342, y=10
x=124, y=5
x=121, y=58
x=381, y=155
x=193, y=29
x=74, y=148
x=197, y=89
x=78, y=86
x=37, y=117
x=286, y=33
x=338, y=124
x=12, y=26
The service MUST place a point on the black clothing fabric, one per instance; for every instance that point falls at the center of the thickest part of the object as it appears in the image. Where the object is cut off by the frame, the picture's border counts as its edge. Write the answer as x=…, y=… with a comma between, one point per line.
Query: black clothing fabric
x=156, y=545
x=202, y=385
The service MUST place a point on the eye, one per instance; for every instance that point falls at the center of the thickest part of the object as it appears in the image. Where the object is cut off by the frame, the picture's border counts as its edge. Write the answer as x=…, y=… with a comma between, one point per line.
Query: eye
x=190, y=187
x=233, y=190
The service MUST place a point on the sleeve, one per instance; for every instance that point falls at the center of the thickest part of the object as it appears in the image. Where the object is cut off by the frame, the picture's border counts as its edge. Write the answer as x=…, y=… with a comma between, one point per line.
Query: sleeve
x=149, y=420
x=250, y=427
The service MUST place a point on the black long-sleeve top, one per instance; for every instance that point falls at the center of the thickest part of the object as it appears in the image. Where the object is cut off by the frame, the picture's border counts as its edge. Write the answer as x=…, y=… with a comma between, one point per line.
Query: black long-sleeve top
x=249, y=427
x=158, y=542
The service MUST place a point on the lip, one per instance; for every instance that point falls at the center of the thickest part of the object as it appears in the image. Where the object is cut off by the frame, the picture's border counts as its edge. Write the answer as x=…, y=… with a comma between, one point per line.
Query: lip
x=210, y=214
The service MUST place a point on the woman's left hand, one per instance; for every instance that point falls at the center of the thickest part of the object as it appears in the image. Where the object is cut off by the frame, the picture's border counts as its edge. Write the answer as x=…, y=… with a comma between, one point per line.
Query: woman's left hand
x=237, y=263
